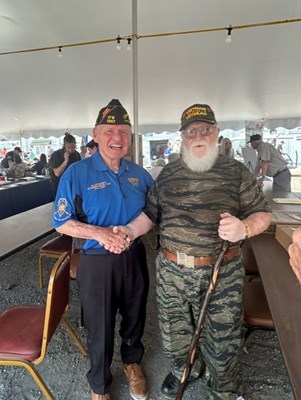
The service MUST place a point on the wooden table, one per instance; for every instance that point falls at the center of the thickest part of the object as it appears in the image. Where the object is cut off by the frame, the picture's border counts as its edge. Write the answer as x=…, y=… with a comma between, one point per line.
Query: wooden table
x=282, y=213
x=283, y=293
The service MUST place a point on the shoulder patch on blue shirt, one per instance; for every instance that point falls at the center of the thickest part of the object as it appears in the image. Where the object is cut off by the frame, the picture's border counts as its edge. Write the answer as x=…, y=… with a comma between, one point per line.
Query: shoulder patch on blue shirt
x=62, y=213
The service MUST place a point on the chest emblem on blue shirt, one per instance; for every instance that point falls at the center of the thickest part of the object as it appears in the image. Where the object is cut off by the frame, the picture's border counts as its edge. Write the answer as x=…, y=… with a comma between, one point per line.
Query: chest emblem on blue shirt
x=61, y=214
x=99, y=185
x=134, y=181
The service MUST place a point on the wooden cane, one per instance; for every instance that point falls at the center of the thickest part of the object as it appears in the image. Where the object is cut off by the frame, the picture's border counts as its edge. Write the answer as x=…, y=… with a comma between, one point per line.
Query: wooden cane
x=201, y=320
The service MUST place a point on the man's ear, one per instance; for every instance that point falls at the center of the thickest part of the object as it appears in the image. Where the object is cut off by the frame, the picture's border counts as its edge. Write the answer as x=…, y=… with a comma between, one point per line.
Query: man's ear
x=94, y=133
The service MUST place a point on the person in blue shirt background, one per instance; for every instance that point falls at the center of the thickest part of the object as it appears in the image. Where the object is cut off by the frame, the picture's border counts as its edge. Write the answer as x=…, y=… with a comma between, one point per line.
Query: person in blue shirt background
x=94, y=195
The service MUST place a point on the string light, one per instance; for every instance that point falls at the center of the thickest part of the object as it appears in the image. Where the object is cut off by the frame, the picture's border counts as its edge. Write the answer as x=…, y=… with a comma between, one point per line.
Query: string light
x=128, y=39
x=157, y=35
x=229, y=38
x=118, y=39
x=129, y=47
x=60, y=52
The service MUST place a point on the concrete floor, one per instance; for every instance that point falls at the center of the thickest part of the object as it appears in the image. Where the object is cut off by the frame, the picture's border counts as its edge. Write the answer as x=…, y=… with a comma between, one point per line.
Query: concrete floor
x=263, y=371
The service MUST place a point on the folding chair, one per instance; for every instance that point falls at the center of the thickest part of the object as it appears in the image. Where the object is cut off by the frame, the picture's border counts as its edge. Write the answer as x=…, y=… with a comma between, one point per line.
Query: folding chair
x=26, y=330
x=54, y=248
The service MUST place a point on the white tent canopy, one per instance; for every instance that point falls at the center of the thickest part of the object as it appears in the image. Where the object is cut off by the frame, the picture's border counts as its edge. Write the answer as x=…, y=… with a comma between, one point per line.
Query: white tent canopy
x=256, y=76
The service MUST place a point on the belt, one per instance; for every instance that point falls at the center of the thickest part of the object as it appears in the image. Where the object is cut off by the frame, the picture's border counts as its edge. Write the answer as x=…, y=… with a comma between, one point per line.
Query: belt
x=280, y=172
x=200, y=261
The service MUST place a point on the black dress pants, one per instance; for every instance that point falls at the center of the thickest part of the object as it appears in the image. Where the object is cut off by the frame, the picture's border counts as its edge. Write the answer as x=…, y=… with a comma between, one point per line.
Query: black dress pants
x=108, y=283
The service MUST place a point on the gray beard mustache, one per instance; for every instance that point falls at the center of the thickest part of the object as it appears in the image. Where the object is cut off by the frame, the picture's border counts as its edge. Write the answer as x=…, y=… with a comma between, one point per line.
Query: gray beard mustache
x=200, y=164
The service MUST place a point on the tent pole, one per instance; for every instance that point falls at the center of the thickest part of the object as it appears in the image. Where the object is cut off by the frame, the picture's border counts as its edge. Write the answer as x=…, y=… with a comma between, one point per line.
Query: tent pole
x=135, y=79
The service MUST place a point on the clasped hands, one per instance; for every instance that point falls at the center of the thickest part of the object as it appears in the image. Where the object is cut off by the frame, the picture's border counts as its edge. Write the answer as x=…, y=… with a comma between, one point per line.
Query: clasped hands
x=116, y=239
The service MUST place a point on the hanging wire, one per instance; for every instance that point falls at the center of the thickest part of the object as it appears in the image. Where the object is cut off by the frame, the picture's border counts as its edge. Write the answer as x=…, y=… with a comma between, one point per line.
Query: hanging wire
x=155, y=35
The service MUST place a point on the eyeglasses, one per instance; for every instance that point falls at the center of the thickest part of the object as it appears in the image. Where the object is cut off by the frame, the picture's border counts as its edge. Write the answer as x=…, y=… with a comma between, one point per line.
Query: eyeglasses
x=204, y=131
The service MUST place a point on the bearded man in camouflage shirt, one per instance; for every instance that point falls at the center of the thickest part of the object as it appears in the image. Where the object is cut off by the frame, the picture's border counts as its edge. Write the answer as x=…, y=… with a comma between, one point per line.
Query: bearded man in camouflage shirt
x=198, y=201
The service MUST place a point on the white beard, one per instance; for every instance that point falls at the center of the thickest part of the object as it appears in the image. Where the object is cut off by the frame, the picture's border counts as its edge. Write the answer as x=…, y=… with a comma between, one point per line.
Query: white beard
x=200, y=164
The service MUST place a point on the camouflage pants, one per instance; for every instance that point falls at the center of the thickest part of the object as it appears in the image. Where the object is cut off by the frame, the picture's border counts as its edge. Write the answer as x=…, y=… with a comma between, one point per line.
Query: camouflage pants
x=180, y=292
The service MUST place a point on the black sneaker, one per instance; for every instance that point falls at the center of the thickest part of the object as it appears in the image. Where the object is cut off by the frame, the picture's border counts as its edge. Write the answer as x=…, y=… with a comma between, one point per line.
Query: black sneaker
x=170, y=386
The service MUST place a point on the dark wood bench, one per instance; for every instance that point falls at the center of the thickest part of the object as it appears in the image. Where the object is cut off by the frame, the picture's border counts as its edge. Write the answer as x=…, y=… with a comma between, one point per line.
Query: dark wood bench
x=283, y=292
x=24, y=229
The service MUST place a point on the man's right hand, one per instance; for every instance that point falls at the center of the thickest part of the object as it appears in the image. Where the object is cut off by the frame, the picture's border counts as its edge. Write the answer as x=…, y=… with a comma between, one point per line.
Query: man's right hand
x=66, y=156
x=112, y=239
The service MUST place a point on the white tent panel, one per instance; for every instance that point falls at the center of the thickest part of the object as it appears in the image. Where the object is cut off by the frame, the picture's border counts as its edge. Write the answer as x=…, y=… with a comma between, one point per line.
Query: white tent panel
x=255, y=76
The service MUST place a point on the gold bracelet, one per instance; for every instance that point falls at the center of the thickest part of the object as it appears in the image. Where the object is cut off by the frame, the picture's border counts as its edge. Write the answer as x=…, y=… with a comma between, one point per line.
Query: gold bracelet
x=247, y=231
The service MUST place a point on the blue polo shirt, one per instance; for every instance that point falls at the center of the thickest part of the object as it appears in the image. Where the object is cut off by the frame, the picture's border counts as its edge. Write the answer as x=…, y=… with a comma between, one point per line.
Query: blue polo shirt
x=92, y=193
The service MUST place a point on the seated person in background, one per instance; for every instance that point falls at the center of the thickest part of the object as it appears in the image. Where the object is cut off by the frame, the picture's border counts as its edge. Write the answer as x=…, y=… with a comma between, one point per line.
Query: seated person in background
x=41, y=165
x=219, y=141
x=294, y=252
x=168, y=150
x=17, y=168
x=91, y=147
x=173, y=156
x=10, y=157
x=83, y=152
x=157, y=167
x=226, y=148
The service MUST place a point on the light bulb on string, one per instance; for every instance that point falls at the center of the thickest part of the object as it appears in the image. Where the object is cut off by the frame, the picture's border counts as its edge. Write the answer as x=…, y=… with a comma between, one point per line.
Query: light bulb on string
x=118, y=46
x=229, y=38
x=60, y=52
x=129, y=47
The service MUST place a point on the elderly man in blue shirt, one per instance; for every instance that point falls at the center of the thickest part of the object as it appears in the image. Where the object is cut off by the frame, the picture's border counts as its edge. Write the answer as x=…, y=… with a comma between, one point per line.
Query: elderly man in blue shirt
x=94, y=195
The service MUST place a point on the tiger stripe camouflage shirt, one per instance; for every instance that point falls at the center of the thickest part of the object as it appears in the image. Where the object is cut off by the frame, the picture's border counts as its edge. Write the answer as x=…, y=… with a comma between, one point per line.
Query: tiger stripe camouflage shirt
x=187, y=205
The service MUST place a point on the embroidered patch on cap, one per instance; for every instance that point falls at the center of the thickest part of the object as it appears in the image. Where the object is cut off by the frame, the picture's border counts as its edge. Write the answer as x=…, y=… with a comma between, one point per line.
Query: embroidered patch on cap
x=197, y=112
x=113, y=114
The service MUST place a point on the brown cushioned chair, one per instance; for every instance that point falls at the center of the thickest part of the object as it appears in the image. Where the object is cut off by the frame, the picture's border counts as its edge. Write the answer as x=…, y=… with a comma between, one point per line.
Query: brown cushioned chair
x=257, y=313
x=54, y=248
x=26, y=330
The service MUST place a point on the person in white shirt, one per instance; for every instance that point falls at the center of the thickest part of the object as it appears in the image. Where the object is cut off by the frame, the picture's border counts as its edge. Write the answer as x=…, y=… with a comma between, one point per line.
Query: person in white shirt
x=271, y=163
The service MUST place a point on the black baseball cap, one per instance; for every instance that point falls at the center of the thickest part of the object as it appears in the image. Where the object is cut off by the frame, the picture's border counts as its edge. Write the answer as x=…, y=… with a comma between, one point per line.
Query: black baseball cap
x=197, y=112
x=253, y=138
